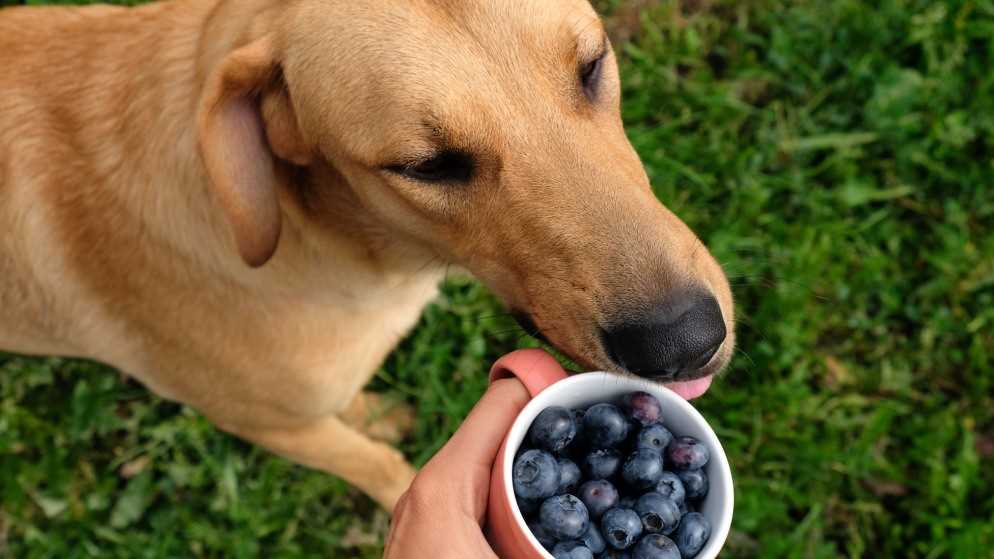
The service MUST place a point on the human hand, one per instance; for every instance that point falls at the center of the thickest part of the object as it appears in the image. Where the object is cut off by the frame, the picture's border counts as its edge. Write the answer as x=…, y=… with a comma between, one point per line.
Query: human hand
x=442, y=514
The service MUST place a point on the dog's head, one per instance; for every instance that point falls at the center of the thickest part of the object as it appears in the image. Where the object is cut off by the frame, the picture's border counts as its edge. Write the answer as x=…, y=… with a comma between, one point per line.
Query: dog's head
x=485, y=131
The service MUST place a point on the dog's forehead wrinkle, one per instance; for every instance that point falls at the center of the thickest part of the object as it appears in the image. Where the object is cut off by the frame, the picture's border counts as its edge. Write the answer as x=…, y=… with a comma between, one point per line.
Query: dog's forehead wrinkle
x=526, y=30
x=589, y=35
x=444, y=66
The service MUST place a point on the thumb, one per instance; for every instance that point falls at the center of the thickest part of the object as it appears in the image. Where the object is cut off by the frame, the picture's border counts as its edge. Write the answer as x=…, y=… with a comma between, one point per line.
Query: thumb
x=459, y=474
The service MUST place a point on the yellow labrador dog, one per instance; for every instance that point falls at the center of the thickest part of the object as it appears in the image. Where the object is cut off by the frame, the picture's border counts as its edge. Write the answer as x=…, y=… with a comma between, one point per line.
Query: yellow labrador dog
x=245, y=204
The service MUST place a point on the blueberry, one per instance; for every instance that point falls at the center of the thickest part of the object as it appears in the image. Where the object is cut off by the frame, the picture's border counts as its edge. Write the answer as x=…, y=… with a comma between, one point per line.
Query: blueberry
x=633, y=432
x=569, y=476
x=585, y=496
x=578, y=421
x=621, y=527
x=687, y=453
x=598, y=496
x=659, y=514
x=564, y=517
x=643, y=407
x=656, y=546
x=535, y=475
x=643, y=469
x=571, y=550
x=593, y=539
x=528, y=507
x=542, y=535
x=553, y=429
x=693, y=534
x=654, y=436
x=604, y=426
x=696, y=484
x=602, y=464
x=670, y=486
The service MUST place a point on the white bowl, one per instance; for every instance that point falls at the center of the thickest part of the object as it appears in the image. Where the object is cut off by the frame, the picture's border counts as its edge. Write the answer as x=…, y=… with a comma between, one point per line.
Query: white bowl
x=587, y=389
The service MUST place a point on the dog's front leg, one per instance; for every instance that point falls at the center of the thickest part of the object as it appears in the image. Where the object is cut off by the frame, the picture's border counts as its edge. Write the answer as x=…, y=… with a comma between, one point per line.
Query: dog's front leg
x=328, y=444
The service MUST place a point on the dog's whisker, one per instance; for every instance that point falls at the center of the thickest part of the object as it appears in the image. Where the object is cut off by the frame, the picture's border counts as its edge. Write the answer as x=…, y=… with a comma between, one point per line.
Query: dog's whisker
x=448, y=268
x=493, y=316
x=434, y=259
x=743, y=319
x=766, y=281
x=752, y=363
x=745, y=322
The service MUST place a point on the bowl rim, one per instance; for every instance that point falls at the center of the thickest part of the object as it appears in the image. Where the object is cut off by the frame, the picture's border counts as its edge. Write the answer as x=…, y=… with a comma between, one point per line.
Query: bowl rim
x=719, y=531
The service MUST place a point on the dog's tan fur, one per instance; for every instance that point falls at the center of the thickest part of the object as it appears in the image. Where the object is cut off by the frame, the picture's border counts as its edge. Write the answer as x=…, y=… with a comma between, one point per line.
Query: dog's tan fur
x=194, y=192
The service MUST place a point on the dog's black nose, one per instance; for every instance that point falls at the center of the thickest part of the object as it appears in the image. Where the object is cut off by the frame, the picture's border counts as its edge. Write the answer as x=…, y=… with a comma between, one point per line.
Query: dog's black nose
x=672, y=341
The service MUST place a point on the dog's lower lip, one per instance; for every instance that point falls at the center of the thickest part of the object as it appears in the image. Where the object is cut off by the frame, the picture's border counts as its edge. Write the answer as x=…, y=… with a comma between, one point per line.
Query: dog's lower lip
x=527, y=323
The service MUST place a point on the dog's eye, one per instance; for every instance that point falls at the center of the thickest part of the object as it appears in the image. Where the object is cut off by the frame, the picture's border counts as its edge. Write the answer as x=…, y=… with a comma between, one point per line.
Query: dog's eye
x=447, y=166
x=590, y=76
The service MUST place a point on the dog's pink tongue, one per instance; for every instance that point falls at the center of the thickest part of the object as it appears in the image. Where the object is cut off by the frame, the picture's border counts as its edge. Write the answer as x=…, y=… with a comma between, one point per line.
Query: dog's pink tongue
x=692, y=388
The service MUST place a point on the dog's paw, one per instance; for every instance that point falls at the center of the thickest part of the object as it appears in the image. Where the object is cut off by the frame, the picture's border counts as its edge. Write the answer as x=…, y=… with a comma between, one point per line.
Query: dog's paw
x=380, y=417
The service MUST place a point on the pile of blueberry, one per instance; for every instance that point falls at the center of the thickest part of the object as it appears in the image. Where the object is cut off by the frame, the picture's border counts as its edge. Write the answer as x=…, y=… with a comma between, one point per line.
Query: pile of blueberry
x=612, y=482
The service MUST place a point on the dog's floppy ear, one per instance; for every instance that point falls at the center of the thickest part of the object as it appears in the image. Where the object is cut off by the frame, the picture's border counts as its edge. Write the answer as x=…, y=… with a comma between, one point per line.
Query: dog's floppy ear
x=246, y=121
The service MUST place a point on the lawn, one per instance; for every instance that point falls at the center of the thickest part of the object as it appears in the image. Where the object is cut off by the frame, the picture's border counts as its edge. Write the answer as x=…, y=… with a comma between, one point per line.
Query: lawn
x=837, y=157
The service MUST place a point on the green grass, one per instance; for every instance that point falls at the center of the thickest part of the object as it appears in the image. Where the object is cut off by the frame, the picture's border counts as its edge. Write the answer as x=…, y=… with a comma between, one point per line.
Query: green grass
x=837, y=158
